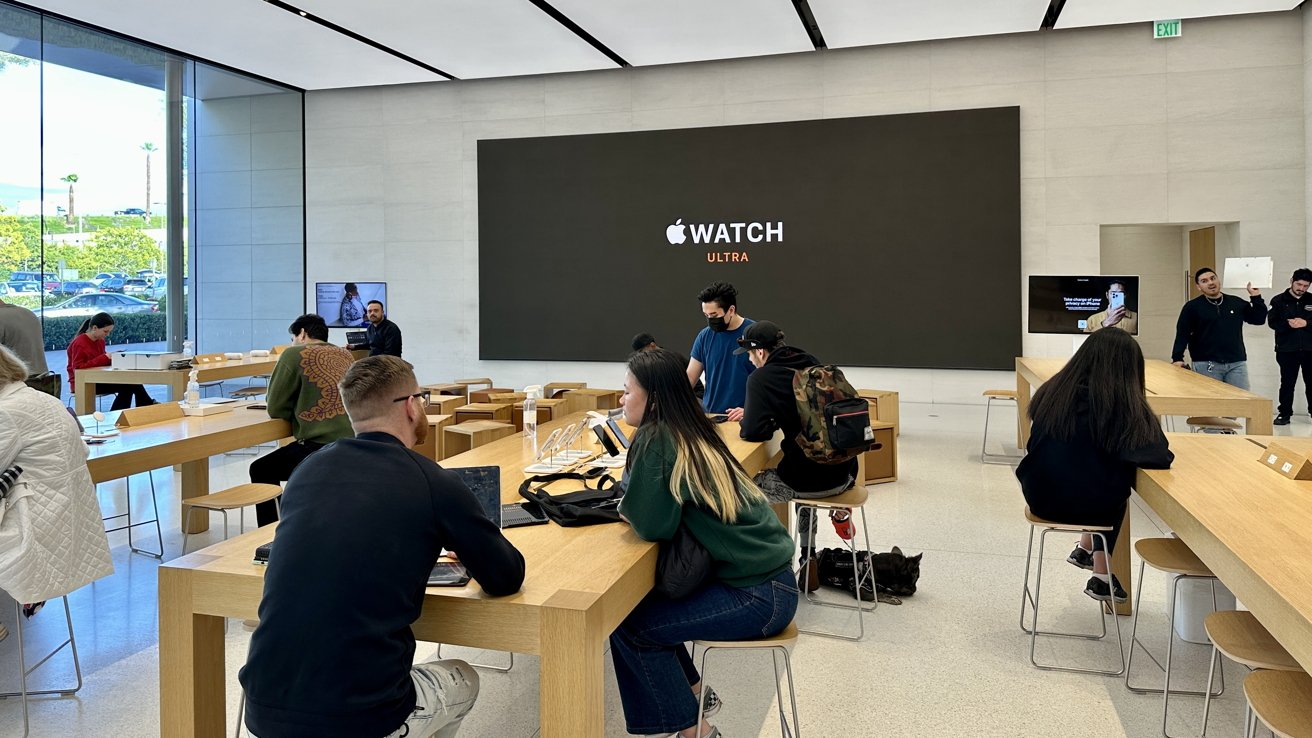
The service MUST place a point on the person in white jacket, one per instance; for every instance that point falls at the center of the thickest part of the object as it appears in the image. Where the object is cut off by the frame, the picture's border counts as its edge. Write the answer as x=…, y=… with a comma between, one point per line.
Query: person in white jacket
x=52, y=538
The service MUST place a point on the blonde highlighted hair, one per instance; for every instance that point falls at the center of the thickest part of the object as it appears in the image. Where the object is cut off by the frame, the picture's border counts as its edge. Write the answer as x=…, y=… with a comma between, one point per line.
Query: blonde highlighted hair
x=703, y=464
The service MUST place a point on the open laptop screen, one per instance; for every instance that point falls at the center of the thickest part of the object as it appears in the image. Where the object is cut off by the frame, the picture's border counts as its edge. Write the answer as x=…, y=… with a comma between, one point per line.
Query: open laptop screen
x=485, y=483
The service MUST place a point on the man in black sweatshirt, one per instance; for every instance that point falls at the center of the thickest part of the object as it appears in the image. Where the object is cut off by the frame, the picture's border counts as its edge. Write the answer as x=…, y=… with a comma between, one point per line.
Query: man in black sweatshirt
x=363, y=521
x=1290, y=312
x=382, y=336
x=771, y=405
x=1212, y=326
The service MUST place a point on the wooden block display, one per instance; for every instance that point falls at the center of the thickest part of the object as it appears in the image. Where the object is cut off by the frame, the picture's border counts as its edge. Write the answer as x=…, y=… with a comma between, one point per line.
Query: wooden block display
x=591, y=398
x=445, y=404
x=883, y=406
x=485, y=395
x=483, y=411
x=469, y=435
x=552, y=389
x=1289, y=457
x=548, y=410
x=880, y=466
x=458, y=390
x=157, y=413
x=433, y=446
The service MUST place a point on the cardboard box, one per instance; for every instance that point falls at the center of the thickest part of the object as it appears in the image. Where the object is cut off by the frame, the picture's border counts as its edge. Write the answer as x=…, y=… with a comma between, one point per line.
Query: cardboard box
x=883, y=406
x=143, y=359
x=1289, y=458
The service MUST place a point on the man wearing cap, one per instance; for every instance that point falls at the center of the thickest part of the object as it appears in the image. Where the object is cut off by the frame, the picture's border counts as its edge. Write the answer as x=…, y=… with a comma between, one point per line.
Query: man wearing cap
x=771, y=405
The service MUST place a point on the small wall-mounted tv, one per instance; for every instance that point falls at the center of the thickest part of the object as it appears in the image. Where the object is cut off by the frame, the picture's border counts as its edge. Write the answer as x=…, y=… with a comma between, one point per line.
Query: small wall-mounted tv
x=1083, y=304
x=342, y=304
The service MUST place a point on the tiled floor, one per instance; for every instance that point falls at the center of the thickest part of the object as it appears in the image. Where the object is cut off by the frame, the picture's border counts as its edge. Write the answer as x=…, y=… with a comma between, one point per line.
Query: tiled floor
x=949, y=661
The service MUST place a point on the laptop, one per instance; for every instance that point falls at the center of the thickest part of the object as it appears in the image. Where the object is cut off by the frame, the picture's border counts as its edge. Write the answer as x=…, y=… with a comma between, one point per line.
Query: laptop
x=485, y=483
x=355, y=338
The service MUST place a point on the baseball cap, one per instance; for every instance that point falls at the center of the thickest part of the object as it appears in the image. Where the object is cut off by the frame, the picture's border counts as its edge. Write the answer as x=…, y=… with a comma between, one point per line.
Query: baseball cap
x=759, y=335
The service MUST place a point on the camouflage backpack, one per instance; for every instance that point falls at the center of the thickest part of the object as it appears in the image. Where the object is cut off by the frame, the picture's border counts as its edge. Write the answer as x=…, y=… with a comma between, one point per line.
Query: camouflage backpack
x=835, y=420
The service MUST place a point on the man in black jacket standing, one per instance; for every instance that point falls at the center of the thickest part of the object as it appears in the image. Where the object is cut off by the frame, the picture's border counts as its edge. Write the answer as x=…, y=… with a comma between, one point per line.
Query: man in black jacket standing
x=1290, y=312
x=383, y=337
x=363, y=521
x=1212, y=326
x=771, y=405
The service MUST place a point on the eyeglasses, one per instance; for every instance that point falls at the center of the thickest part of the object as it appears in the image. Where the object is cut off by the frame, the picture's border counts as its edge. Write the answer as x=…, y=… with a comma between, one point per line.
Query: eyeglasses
x=422, y=395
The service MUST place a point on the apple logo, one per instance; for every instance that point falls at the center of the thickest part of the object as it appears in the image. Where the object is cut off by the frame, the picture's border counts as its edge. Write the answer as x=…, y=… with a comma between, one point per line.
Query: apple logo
x=675, y=233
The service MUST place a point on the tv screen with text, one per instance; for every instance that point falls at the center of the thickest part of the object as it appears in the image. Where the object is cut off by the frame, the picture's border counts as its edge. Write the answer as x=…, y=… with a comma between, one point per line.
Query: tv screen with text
x=1083, y=304
x=873, y=241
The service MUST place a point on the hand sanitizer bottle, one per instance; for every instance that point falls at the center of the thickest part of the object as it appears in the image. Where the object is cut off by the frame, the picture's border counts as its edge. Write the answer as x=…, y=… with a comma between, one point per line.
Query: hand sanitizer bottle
x=531, y=394
x=193, y=390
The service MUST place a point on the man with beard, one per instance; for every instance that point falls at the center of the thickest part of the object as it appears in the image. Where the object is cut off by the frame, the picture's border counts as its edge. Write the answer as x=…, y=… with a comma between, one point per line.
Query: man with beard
x=363, y=522
x=1290, y=312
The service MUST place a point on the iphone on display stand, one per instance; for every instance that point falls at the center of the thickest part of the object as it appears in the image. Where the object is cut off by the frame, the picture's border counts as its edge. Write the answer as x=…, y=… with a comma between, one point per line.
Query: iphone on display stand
x=568, y=440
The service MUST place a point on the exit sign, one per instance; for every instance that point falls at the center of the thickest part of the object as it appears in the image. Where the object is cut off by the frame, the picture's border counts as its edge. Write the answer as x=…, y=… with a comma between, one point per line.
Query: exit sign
x=1167, y=28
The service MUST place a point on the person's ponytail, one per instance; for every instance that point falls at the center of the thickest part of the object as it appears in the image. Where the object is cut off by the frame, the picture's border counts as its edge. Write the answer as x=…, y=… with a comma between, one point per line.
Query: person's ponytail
x=86, y=324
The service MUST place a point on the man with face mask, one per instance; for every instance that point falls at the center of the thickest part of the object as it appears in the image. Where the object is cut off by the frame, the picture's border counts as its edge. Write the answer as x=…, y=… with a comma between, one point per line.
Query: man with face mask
x=363, y=523
x=771, y=405
x=714, y=352
x=1290, y=312
x=303, y=391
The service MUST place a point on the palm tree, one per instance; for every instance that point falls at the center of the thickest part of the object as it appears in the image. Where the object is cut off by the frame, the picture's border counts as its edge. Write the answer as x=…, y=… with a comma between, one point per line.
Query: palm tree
x=149, y=148
x=71, y=180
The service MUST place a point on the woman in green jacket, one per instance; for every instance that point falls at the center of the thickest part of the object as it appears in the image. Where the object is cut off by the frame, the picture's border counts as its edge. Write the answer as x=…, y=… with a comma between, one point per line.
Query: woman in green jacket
x=680, y=470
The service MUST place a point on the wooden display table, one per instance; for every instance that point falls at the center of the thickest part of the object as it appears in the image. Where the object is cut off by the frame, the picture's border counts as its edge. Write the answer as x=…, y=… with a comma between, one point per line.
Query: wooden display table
x=580, y=583
x=1171, y=390
x=497, y=411
x=1248, y=523
x=448, y=389
x=550, y=389
x=592, y=398
x=85, y=380
x=434, y=446
x=189, y=441
x=485, y=395
x=445, y=404
x=472, y=434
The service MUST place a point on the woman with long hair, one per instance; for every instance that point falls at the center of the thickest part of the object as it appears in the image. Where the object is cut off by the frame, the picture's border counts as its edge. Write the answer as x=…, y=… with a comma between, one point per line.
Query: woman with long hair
x=681, y=471
x=1092, y=428
x=87, y=351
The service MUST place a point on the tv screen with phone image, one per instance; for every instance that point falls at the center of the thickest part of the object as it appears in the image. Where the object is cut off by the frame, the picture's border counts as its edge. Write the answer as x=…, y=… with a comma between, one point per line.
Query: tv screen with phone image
x=1083, y=304
x=343, y=304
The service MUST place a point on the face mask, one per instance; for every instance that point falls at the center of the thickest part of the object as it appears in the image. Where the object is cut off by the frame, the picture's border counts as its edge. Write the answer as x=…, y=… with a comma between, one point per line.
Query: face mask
x=718, y=324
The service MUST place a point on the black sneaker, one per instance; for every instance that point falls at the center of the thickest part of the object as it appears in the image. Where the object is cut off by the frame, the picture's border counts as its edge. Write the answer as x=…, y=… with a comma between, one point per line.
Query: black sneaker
x=713, y=703
x=1281, y=419
x=1097, y=589
x=1081, y=559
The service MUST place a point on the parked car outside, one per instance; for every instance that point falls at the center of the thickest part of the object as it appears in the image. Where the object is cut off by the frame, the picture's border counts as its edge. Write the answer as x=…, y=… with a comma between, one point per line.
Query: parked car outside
x=114, y=284
x=4, y=289
x=150, y=275
x=107, y=275
x=136, y=287
x=98, y=302
x=130, y=211
x=48, y=279
x=25, y=287
x=161, y=288
x=72, y=289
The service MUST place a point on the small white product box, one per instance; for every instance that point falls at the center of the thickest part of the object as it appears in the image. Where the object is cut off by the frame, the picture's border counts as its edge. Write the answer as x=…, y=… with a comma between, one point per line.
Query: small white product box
x=143, y=359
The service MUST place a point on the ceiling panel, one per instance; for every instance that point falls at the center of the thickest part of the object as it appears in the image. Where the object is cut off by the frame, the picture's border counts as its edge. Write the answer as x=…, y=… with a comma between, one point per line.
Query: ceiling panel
x=1078, y=13
x=647, y=32
x=846, y=23
x=467, y=38
x=250, y=35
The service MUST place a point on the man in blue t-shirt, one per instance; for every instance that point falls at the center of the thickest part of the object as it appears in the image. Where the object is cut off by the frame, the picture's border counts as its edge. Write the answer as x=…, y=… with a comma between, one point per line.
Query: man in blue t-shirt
x=713, y=352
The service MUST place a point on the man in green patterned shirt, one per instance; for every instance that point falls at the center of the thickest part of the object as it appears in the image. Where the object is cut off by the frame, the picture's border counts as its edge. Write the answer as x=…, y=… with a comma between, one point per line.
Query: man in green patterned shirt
x=303, y=391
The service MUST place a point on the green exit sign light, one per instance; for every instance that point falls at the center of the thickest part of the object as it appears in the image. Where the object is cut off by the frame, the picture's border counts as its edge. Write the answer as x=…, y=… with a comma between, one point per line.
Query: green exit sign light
x=1167, y=28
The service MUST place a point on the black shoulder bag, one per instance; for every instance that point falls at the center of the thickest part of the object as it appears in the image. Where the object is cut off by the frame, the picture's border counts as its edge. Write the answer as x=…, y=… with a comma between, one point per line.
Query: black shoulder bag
x=683, y=565
x=588, y=506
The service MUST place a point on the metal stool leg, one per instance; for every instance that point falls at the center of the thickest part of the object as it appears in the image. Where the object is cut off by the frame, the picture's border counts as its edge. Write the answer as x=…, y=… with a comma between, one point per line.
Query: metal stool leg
x=858, y=576
x=1166, y=690
x=984, y=456
x=24, y=671
x=1034, y=631
x=489, y=667
x=796, y=731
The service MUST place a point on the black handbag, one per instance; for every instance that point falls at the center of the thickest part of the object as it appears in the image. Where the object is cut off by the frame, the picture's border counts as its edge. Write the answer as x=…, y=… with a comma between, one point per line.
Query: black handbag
x=588, y=506
x=683, y=565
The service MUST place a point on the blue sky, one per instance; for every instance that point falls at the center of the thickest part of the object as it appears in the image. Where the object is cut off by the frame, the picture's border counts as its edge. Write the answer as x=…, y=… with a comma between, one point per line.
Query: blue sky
x=94, y=127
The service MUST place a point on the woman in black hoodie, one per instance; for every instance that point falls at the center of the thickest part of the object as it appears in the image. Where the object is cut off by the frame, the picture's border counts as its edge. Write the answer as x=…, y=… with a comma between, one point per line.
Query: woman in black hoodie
x=1092, y=428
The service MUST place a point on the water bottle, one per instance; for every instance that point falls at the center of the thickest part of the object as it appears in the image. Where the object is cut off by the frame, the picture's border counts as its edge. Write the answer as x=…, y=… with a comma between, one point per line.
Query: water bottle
x=193, y=390
x=531, y=394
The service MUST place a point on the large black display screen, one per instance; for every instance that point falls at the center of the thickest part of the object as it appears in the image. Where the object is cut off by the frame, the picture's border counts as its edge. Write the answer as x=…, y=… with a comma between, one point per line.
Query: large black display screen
x=880, y=241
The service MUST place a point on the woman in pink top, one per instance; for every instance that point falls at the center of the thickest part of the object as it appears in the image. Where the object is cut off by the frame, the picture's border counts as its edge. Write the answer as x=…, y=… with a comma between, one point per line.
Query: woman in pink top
x=87, y=351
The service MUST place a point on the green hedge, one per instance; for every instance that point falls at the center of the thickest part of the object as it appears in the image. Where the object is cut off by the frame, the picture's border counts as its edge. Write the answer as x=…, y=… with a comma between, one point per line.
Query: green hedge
x=128, y=328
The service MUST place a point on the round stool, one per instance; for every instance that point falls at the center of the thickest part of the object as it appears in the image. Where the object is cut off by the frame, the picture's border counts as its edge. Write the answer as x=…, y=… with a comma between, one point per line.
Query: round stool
x=1243, y=640
x=854, y=500
x=1032, y=600
x=777, y=644
x=1172, y=556
x=1282, y=701
x=1207, y=424
x=984, y=456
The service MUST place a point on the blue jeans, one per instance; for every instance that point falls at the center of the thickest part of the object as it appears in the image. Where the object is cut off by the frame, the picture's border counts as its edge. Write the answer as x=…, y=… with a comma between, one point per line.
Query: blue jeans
x=1234, y=374
x=652, y=664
